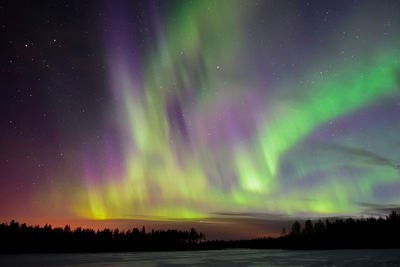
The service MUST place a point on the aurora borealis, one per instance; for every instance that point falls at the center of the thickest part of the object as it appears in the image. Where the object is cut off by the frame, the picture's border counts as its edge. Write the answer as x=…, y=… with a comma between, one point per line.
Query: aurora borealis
x=200, y=110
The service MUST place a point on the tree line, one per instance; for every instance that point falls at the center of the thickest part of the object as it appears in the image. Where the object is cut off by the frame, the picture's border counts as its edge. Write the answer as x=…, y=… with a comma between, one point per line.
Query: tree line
x=346, y=233
x=382, y=232
x=328, y=234
x=15, y=237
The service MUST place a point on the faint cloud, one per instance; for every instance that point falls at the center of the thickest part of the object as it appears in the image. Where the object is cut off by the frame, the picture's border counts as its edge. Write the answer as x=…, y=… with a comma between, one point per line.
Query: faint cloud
x=366, y=155
x=373, y=209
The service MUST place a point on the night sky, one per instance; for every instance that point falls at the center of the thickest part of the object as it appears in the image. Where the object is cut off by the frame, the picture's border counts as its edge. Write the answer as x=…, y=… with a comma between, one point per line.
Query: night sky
x=209, y=113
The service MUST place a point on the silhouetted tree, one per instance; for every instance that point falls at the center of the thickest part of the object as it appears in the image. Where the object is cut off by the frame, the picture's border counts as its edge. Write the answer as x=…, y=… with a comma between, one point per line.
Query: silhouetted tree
x=319, y=227
x=143, y=231
x=296, y=228
x=308, y=228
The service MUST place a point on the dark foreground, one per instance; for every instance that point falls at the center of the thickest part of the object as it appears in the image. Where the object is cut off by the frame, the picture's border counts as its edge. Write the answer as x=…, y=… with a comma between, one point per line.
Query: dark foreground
x=365, y=233
x=229, y=257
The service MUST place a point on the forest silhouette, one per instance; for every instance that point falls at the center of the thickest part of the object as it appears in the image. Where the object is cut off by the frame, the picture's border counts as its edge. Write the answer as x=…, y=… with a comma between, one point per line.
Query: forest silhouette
x=329, y=234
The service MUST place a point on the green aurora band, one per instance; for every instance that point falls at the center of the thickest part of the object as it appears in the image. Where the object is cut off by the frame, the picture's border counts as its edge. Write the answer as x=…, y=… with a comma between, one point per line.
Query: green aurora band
x=173, y=99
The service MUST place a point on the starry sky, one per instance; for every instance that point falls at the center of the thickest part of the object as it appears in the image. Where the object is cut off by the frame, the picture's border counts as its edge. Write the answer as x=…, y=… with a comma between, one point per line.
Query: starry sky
x=235, y=115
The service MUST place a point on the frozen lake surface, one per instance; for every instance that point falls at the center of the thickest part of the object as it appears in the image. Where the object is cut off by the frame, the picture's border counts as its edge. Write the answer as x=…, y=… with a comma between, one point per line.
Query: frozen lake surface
x=229, y=257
